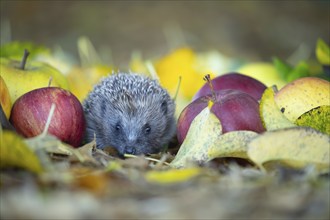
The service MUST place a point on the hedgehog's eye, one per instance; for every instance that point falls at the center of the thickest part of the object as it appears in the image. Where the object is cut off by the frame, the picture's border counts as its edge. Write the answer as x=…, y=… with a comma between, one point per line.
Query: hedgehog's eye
x=164, y=106
x=147, y=128
x=118, y=127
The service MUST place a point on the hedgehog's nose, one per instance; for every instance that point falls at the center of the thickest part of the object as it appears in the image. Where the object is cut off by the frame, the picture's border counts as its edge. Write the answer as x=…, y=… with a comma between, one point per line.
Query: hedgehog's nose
x=130, y=150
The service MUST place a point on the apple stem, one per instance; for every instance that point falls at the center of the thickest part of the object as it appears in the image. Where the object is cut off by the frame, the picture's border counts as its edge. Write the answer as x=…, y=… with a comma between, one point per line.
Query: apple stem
x=24, y=59
x=50, y=81
x=207, y=78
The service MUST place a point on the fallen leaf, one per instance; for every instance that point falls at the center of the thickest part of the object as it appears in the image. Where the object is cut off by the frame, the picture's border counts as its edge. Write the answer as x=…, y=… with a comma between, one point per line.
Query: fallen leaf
x=296, y=147
x=49, y=144
x=46, y=143
x=81, y=80
x=15, y=153
x=270, y=114
x=180, y=63
x=114, y=165
x=95, y=181
x=139, y=162
x=317, y=118
x=202, y=135
x=83, y=153
x=231, y=144
x=172, y=176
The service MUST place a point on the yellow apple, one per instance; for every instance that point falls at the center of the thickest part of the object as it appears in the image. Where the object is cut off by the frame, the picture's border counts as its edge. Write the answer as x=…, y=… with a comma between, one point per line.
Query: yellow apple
x=22, y=77
x=302, y=95
x=5, y=98
x=264, y=72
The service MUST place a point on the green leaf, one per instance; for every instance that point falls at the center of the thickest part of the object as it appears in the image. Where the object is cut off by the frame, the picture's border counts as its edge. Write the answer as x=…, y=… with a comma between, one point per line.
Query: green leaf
x=289, y=73
x=282, y=68
x=295, y=147
x=299, y=71
x=15, y=50
x=317, y=118
x=322, y=52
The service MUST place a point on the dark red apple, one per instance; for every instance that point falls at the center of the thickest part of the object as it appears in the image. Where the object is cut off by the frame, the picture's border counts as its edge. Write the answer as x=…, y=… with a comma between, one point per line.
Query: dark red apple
x=235, y=109
x=235, y=81
x=30, y=112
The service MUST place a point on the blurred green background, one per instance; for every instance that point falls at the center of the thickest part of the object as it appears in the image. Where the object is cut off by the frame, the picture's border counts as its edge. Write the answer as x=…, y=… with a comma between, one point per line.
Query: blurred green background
x=252, y=30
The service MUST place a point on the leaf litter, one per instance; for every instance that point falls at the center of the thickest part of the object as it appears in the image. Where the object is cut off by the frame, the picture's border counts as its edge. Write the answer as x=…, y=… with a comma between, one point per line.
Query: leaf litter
x=90, y=183
x=47, y=178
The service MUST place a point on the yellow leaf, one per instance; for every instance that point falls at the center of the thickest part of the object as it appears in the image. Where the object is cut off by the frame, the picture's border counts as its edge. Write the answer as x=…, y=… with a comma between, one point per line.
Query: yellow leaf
x=296, y=147
x=202, y=135
x=15, y=153
x=231, y=144
x=181, y=62
x=172, y=176
x=317, y=118
x=271, y=116
x=114, y=165
x=137, y=64
x=82, y=80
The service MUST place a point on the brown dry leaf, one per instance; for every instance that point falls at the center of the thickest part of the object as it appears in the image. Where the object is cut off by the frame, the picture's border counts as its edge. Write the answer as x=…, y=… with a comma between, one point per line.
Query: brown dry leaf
x=15, y=153
x=49, y=143
x=135, y=162
x=95, y=181
x=296, y=147
x=83, y=153
x=54, y=146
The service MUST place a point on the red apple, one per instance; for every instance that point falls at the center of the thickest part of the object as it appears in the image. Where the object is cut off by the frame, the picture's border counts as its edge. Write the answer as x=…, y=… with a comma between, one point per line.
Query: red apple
x=30, y=112
x=235, y=81
x=236, y=110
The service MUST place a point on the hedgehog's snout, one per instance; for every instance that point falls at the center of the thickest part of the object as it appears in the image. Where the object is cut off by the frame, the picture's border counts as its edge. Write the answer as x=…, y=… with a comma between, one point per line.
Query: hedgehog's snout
x=129, y=150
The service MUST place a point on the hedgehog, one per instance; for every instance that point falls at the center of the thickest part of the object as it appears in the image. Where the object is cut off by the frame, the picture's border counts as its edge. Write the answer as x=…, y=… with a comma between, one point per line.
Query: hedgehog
x=131, y=113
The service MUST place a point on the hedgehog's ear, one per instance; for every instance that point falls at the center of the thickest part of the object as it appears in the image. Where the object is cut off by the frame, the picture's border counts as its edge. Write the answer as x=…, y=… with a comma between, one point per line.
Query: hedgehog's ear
x=164, y=107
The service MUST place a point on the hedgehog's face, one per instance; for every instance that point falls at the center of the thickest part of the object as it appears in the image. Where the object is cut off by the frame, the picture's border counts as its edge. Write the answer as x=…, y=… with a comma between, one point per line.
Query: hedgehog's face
x=141, y=129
